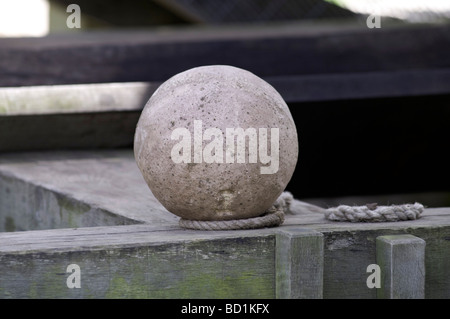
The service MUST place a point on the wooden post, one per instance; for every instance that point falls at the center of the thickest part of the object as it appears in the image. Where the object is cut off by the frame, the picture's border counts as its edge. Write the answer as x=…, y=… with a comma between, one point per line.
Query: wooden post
x=402, y=262
x=299, y=264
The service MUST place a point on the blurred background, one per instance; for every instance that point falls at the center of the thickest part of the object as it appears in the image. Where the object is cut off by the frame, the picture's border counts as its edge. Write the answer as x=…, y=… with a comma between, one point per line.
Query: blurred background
x=371, y=104
x=20, y=18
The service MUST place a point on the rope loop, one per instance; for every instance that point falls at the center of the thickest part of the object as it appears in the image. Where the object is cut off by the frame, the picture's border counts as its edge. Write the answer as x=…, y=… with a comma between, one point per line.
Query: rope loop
x=272, y=217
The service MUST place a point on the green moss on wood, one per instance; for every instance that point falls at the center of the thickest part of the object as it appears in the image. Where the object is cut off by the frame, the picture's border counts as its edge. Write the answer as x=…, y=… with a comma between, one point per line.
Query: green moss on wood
x=9, y=224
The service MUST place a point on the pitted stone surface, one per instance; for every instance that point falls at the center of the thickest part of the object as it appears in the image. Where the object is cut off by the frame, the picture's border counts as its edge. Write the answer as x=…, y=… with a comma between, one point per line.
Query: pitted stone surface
x=219, y=98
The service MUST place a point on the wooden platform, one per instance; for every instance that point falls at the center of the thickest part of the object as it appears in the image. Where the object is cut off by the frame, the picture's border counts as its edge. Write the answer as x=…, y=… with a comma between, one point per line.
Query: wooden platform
x=78, y=221
x=106, y=221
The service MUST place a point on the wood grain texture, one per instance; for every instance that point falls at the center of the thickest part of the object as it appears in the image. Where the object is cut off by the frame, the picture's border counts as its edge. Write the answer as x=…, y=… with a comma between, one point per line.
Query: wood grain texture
x=402, y=262
x=154, y=257
x=230, y=259
x=276, y=50
x=132, y=265
x=299, y=264
x=81, y=98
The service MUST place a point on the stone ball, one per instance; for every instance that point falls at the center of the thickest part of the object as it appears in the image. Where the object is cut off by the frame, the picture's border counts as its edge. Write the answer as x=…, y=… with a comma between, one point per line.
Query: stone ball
x=216, y=143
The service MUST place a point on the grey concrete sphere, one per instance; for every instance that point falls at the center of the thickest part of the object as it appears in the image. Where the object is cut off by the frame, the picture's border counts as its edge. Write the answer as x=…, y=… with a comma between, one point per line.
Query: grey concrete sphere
x=180, y=144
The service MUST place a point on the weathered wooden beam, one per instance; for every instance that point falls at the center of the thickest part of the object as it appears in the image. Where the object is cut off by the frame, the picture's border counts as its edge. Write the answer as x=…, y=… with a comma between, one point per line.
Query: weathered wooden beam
x=132, y=96
x=68, y=131
x=145, y=261
x=299, y=264
x=365, y=85
x=133, y=260
x=267, y=51
x=137, y=261
x=402, y=262
x=78, y=98
x=71, y=116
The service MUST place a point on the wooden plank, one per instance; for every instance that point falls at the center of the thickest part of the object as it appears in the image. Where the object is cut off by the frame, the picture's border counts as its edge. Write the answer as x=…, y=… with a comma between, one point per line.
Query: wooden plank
x=26, y=206
x=299, y=264
x=132, y=96
x=105, y=115
x=78, y=98
x=402, y=262
x=88, y=178
x=105, y=237
x=365, y=85
x=231, y=259
x=76, y=189
x=226, y=268
x=155, y=56
x=68, y=131
x=349, y=253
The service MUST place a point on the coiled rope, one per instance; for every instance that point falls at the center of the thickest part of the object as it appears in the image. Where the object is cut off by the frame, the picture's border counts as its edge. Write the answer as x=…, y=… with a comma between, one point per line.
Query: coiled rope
x=275, y=215
x=272, y=217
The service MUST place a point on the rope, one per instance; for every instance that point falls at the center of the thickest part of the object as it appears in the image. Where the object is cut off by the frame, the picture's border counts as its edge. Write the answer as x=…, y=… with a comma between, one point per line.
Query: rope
x=374, y=213
x=272, y=217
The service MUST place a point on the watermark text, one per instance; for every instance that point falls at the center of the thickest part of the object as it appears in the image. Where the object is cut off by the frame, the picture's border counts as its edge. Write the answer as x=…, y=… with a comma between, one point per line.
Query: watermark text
x=189, y=148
